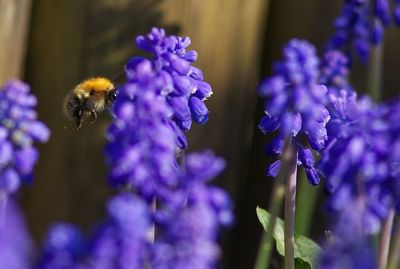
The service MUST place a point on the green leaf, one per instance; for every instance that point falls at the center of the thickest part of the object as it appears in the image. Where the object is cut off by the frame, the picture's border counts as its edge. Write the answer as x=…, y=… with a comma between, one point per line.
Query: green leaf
x=306, y=251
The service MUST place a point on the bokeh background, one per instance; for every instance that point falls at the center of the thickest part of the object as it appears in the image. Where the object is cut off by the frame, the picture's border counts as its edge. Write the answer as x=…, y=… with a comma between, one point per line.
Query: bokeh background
x=54, y=44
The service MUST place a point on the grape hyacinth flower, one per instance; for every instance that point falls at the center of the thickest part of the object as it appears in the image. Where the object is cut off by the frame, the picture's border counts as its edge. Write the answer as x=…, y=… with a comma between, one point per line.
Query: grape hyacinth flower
x=152, y=110
x=63, y=248
x=334, y=72
x=349, y=245
x=122, y=242
x=363, y=156
x=154, y=107
x=183, y=86
x=189, y=227
x=295, y=106
x=16, y=246
x=396, y=12
x=357, y=30
x=143, y=139
x=119, y=242
x=19, y=129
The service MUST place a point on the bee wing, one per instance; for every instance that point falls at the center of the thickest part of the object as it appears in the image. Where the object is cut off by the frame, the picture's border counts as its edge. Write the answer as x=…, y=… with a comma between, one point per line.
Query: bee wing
x=118, y=78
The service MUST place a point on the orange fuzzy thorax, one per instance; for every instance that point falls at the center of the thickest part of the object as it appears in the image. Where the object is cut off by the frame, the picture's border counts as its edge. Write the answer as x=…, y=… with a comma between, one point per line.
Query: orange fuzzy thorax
x=98, y=84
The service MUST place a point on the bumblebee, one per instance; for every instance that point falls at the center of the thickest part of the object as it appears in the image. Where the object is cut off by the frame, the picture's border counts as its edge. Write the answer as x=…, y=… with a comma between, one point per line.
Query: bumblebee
x=88, y=98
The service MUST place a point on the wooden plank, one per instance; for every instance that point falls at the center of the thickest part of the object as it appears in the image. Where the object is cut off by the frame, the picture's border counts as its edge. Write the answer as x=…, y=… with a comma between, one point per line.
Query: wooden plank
x=14, y=19
x=53, y=68
x=228, y=35
x=72, y=40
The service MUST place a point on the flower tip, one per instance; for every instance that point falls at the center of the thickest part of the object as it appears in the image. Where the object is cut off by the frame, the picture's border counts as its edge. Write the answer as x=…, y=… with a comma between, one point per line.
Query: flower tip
x=274, y=168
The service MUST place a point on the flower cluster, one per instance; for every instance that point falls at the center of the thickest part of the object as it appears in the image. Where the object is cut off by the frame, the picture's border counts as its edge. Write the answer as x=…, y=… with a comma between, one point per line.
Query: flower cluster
x=158, y=102
x=183, y=84
x=349, y=246
x=357, y=30
x=295, y=106
x=119, y=242
x=152, y=110
x=143, y=139
x=16, y=246
x=189, y=226
x=19, y=129
x=334, y=72
x=363, y=157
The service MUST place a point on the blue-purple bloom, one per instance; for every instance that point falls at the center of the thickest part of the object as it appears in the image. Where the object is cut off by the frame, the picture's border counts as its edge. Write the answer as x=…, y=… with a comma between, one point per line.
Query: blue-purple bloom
x=335, y=71
x=152, y=110
x=189, y=227
x=183, y=86
x=349, y=245
x=16, y=246
x=64, y=248
x=122, y=242
x=361, y=25
x=160, y=99
x=295, y=106
x=362, y=156
x=143, y=139
x=19, y=129
x=119, y=242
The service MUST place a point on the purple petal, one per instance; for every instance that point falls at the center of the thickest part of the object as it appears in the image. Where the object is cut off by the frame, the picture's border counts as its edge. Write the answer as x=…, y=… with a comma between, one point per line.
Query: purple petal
x=274, y=168
x=268, y=124
x=37, y=130
x=6, y=153
x=184, y=85
x=271, y=86
x=198, y=110
x=25, y=160
x=190, y=56
x=312, y=176
x=196, y=73
x=203, y=90
x=306, y=157
x=139, y=68
x=180, y=65
x=180, y=107
x=9, y=181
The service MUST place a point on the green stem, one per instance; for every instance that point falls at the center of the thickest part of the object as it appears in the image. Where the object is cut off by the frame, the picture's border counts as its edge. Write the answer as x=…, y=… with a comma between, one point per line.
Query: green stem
x=375, y=72
x=384, y=240
x=265, y=248
x=395, y=249
x=275, y=206
x=307, y=197
x=290, y=207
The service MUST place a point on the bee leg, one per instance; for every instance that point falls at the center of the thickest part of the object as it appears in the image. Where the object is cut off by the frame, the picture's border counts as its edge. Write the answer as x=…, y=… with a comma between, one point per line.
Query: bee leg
x=79, y=120
x=94, y=116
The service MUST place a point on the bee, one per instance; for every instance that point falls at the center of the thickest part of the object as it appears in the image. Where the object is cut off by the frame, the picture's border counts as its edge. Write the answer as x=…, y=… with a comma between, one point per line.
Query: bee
x=91, y=96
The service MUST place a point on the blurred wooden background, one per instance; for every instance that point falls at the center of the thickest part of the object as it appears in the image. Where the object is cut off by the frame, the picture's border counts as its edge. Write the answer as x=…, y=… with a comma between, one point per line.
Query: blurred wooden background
x=54, y=44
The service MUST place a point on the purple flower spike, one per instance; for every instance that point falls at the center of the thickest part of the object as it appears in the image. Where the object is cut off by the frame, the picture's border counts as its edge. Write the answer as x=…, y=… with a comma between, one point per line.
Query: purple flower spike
x=173, y=61
x=361, y=25
x=334, y=71
x=16, y=246
x=363, y=155
x=19, y=129
x=349, y=245
x=295, y=105
x=119, y=242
